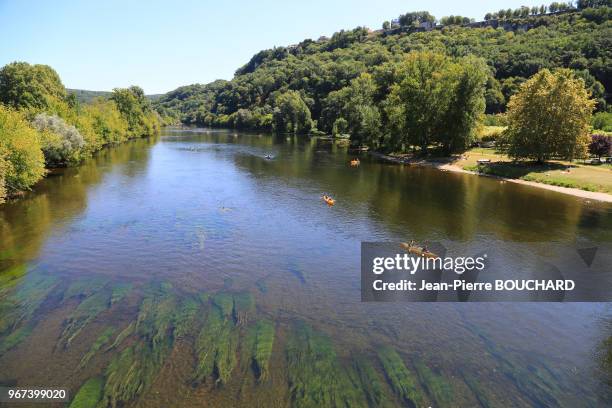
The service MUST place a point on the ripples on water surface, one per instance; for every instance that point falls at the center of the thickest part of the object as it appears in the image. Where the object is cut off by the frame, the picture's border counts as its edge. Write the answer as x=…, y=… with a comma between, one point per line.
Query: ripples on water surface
x=189, y=270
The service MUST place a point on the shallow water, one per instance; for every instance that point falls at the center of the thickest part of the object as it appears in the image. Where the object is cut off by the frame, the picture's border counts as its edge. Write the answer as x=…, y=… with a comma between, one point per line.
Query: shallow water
x=203, y=212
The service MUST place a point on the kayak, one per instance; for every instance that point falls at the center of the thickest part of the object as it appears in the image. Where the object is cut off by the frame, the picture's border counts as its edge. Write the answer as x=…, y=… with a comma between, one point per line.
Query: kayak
x=355, y=162
x=417, y=250
x=329, y=200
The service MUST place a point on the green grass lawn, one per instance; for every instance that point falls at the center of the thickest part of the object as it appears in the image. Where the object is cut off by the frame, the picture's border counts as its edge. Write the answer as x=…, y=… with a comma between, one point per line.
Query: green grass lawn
x=558, y=173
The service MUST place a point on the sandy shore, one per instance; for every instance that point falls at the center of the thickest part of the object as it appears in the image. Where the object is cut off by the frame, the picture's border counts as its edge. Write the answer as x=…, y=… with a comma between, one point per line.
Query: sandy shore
x=576, y=192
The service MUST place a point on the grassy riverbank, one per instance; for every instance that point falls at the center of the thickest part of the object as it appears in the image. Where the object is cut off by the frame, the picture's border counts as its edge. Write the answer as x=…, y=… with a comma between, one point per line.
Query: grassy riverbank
x=575, y=178
x=588, y=177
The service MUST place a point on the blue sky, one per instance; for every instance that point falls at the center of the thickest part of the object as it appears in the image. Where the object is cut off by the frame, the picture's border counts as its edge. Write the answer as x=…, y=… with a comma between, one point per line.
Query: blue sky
x=160, y=45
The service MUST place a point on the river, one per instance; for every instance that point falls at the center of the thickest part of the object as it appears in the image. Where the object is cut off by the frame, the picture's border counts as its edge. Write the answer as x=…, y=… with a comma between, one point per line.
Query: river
x=200, y=213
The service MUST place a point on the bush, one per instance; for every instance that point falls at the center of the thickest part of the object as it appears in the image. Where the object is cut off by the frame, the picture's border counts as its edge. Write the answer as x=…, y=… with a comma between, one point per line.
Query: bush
x=62, y=144
x=21, y=157
x=107, y=123
x=602, y=121
x=601, y=145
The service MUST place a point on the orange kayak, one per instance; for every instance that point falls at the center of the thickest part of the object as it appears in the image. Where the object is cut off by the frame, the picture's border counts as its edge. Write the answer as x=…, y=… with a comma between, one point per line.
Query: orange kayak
x=355, y=162
x=329, y=200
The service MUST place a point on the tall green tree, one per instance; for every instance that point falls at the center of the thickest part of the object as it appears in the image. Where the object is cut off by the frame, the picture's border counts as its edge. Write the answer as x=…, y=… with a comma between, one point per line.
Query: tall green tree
x=438, y=100
x=25, y=86
x=291, y=114
x=136, y=110
x=549, y=117
x=20, y=152
x=355, y=105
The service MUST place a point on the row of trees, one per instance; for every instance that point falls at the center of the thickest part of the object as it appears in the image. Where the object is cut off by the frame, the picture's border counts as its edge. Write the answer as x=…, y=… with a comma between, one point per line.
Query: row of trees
x=41, y=125
x=553, y=7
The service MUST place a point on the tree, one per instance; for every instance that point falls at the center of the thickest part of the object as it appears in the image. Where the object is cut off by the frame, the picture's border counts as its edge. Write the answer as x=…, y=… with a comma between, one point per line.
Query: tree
x=601, y=145
x=437, y=100
x=415, y=18
x=386, y=25
x=20, y=153
x=549, y=117
x=291, y=114
x=488, y=16
x=355, y=105
x=136, y=110
x=30, y=86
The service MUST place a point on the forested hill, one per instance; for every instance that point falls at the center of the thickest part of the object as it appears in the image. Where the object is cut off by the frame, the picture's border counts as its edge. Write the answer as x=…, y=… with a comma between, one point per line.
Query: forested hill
x=86, y=96
x=524, y=42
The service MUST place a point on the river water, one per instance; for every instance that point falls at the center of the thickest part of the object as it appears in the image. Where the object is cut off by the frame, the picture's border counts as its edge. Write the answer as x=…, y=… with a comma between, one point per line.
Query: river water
x=202, y=212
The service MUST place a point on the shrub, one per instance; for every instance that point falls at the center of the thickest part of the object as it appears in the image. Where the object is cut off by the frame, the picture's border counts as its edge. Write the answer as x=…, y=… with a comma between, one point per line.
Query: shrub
x=107, y=123
x=601, y=145
x=62, y=144
x=21, y=157
x=602, y=121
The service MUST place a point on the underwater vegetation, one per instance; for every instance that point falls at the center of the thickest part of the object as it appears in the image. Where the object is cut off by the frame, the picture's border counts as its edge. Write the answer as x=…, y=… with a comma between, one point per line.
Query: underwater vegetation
x=225, y=303
x=316, y=378
x=437, y=387
x=401, y=379
x=89, y=394
x=370, y=383
x=96, y=299
x=82, y=288
x=120, y=291
x=132, y=371
x=244, y=306
x=84, y=314
x=17, y=309
x=217, y=343
x=11, y=276
x=186, y=317
x=261, y=341
x=97, y=345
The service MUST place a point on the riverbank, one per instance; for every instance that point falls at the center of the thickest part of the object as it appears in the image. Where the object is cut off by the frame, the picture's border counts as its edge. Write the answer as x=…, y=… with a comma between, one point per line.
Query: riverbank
x=463, y=164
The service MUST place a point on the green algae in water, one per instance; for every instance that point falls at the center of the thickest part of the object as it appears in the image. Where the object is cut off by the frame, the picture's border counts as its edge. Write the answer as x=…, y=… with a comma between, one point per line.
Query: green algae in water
x=84, y=314
x=124, y=334
x=186, y=317
x=130, y=373
x=15, y=338
x=133, y=370
x=84, y=287
x=261, y=337
x=120, y=291
x=400, y=378
x=97, y=345
x=216, y=347
x=371, y=383
x=316, y=378
x=23, y=303
x=89, y=394
x=438, y=388
x=244, y=306
x=225, y=303
x=11, y=276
